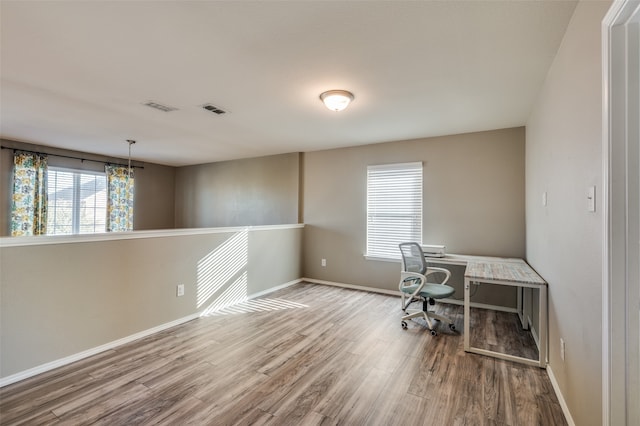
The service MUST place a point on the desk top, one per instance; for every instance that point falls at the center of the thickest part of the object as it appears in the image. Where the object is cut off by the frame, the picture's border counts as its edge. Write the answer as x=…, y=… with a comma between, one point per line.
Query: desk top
x=463, y=259
x=517, y=272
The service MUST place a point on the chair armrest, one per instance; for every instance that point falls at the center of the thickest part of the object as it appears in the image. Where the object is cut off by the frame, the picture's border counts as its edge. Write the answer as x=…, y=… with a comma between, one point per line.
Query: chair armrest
x=433, y=270
x=403, y=278
x=404, y=275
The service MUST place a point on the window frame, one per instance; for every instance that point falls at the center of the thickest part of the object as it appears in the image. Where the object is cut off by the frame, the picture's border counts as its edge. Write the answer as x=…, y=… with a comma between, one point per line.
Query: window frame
x=76, y=200
x=416, y=189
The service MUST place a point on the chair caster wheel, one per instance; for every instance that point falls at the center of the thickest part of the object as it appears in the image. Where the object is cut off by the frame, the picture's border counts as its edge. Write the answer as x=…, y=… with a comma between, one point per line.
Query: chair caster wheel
x=404, y=325
x=452, y=327
x=433, y=333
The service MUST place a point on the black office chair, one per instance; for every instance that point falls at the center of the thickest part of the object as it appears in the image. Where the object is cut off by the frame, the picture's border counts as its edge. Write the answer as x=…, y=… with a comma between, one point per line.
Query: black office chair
x=414, y=286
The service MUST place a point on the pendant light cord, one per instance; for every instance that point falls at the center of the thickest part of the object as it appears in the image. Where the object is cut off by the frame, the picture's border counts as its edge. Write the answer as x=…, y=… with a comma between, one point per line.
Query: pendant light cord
x=131, y=142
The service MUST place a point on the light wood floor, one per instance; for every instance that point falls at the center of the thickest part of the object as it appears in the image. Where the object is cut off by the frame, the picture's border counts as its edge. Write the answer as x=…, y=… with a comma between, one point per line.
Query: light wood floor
x=306, y=355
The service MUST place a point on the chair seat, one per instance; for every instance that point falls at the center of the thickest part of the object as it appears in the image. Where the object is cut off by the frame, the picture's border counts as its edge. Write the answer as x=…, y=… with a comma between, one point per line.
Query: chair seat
x=434, y=291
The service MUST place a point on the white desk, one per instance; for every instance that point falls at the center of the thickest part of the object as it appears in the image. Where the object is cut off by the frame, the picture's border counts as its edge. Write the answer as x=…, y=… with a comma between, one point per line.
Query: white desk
x=503, y=271
x=512, y=273
x=464, y=259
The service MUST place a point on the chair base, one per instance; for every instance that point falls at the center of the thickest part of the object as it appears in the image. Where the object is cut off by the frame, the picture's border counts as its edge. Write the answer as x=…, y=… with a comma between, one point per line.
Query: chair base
x=428, y=316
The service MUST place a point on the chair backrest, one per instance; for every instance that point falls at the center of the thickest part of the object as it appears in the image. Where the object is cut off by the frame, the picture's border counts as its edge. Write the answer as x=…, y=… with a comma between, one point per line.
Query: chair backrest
x=413, y=258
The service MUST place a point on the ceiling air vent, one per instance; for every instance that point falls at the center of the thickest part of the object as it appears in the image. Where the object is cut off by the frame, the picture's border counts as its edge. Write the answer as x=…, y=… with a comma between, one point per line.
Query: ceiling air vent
x=213, y=109
x=160, y=106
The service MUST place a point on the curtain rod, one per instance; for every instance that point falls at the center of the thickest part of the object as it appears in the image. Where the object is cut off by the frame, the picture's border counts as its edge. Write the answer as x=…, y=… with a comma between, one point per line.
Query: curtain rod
x=73, y=158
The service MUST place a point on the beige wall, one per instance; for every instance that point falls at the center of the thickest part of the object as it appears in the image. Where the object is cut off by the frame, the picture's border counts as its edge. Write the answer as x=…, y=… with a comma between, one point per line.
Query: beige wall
x=154, y=198
x=473, y=204
x=58, y=300
x=564, y=240
x=255, y=191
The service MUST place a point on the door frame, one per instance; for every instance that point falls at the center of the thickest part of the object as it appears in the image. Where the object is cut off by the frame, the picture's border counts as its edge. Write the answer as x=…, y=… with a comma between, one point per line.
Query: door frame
x=621, y=220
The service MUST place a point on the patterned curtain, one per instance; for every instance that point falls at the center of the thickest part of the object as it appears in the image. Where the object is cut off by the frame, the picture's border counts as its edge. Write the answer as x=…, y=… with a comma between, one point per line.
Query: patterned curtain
x=29, y=199
x=119, y=198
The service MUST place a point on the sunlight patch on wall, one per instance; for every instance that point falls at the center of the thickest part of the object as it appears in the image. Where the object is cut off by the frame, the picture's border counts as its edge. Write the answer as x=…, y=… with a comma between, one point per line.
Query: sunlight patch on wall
x=222, y=281
x=217, y=268
x=235, y=293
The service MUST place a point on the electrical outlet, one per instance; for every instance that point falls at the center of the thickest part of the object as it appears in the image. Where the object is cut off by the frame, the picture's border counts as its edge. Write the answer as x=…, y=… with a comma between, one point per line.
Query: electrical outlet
x=562, y=349
x=323, y=262
x=180, y=290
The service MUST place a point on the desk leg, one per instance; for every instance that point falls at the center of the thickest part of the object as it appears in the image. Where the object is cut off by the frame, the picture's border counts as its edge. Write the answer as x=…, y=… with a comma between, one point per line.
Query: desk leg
x=520, y=307
x=543, y=313
x=467, y=313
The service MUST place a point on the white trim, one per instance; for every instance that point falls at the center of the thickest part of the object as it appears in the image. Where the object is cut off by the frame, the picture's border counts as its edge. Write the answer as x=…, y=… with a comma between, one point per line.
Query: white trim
x=606, y=388
x=93, y=351
x=354, y=287
x=383, y=259
x=563, y=403
x=395, y=166
x=272, y=289
x=22, y=375
x=397, y=293
x=114, y=236
x=618, y=14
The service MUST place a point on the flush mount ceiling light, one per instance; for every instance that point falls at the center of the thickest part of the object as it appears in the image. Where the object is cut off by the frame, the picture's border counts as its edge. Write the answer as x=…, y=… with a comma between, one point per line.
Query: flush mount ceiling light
x=336, y=100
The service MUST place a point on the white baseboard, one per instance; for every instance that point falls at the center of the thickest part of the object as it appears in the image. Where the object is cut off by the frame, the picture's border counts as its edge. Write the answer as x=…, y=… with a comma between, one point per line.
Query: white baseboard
x=353, y=286
x=4, y=381
x=90, y=352
x=272, y=289
x=563, y=403
x=397, y=293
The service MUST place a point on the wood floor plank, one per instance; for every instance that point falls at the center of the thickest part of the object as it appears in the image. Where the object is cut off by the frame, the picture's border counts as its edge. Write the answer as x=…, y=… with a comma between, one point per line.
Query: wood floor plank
x=306, y=355
x=326, y=382
x=177, y=413
x=356, y=409
x=310, y=419
x=42, y=399
x=396, y=409
x=467, y=408
x=102, y=406
x=50, y=380
x=34, y=418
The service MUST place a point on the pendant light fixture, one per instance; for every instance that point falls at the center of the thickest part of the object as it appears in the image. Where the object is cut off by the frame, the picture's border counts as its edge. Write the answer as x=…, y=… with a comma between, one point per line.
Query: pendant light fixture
x=130, y=142
x=336, y=100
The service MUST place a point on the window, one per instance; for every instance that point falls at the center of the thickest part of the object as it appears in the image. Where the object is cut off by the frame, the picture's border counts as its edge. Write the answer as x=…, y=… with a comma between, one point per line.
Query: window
x=394, y=208
x=77, y=202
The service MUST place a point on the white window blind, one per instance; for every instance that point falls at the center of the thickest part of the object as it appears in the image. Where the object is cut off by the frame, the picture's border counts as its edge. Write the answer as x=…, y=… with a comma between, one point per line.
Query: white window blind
x=77, y=202
x=394, y=208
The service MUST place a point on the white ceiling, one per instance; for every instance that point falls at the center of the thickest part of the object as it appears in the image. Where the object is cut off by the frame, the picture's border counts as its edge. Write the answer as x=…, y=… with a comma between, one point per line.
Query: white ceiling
x=75, y=74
